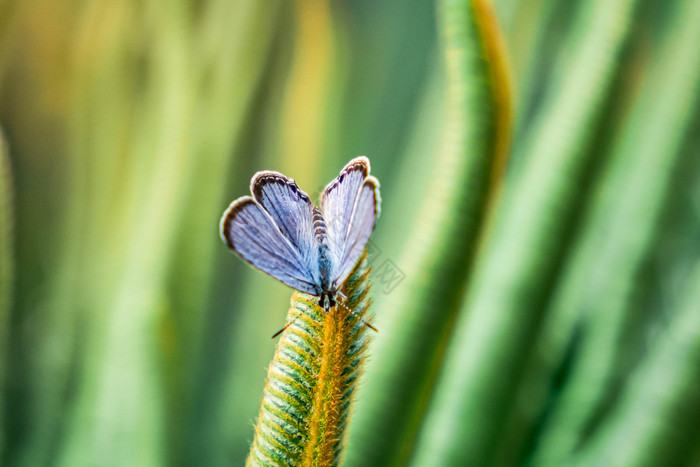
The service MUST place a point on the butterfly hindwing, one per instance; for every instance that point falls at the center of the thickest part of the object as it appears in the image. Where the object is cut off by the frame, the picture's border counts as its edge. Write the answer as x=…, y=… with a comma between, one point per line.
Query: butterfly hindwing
x=251, y=231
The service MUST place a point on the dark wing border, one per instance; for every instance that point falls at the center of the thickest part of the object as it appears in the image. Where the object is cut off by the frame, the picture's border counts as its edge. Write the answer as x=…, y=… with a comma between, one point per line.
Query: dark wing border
x=359, y=161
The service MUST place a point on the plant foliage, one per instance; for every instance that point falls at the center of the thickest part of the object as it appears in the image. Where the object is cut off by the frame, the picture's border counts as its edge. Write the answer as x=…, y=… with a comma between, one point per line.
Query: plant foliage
x=534, y=272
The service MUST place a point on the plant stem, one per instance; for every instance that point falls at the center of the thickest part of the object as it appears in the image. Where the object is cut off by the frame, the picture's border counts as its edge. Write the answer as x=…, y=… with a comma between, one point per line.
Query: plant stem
x=312, y=378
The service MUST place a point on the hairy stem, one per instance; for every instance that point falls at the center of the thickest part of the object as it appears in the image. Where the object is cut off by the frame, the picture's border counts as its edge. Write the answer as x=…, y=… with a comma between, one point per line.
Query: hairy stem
x=312, y=378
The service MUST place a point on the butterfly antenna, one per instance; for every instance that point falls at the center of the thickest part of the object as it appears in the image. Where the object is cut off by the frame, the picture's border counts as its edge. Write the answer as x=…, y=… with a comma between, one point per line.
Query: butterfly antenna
x=354, y=313
x=285, y=328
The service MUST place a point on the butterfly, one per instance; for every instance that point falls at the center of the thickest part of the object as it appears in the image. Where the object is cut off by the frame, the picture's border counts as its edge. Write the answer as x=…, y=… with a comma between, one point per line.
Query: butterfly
x=311, y=249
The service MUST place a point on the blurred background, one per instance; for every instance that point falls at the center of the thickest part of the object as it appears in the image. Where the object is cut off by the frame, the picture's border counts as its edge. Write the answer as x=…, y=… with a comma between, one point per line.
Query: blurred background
x=536, y=263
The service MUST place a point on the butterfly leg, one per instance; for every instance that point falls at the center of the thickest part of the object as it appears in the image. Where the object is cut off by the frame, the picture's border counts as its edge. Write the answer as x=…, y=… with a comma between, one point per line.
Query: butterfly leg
x=285, y=328
x=345, y=299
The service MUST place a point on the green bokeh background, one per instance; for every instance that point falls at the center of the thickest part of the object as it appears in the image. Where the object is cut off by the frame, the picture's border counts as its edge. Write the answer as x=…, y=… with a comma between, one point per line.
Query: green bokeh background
x=129, y=335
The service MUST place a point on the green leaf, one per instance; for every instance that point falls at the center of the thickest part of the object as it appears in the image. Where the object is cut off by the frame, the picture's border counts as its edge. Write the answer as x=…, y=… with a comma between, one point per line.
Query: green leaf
x=7, y=267
x=655, y=421
x=507, y=296
x=604, y=273
x=442, y=244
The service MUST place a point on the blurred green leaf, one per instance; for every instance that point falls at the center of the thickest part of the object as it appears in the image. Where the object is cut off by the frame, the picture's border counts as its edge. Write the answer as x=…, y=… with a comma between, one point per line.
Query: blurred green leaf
x=655, y=419
x=605, y=268
x=420, y=312
x=7, y=267
x=534, y=312
x=506, y=299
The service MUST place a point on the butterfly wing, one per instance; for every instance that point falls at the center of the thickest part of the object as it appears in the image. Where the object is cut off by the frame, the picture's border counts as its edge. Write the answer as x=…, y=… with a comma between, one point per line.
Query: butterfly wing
x=338, y=200
x=364, y=216
x=292, y=211
x=350, y=205
x=273, y=231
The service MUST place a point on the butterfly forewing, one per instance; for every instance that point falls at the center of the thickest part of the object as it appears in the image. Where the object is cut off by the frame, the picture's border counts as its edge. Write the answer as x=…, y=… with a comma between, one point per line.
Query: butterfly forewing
x=350, y=205
x=292, y=211
x=250, y=231
x=364, y=214
x=338, y=200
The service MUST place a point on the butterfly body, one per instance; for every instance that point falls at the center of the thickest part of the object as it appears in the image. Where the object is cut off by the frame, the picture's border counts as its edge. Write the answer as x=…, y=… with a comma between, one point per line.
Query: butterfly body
x=325, y=290
x=311, y=249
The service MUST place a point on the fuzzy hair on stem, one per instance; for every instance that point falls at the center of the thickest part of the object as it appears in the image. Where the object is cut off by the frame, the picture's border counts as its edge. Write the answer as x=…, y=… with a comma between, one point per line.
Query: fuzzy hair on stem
x=312, y=378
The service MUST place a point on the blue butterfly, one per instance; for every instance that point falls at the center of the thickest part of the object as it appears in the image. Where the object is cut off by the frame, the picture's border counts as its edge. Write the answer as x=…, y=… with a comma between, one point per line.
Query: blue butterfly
x=279, y=231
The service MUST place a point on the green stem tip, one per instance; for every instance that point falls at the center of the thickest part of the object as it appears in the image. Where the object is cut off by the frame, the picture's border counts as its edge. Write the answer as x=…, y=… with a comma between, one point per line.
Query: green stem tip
x=310, y=383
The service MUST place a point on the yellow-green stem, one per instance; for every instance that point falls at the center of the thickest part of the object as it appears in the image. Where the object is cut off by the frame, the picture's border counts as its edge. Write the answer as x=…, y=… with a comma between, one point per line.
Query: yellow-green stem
x=312, y=378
